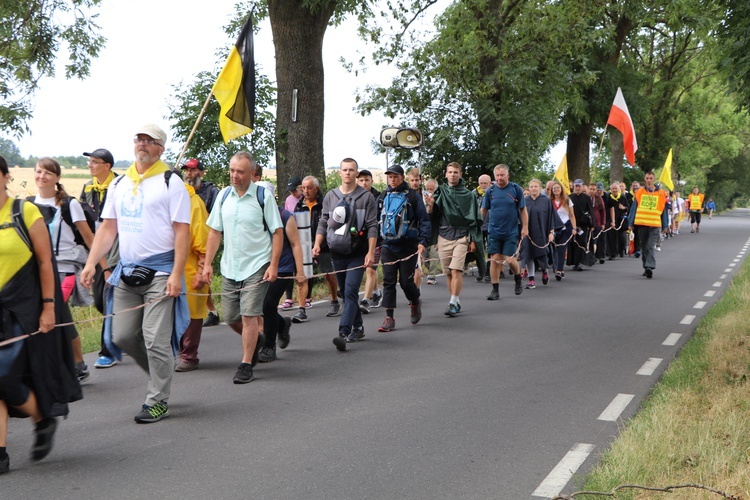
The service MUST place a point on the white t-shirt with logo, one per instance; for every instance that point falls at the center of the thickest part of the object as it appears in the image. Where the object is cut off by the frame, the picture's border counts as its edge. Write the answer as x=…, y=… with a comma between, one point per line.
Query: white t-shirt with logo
x=58, y=226
x=144, y=219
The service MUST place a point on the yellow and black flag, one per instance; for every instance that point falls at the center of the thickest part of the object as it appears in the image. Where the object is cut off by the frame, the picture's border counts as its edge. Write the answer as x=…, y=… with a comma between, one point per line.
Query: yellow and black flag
x=235, y=87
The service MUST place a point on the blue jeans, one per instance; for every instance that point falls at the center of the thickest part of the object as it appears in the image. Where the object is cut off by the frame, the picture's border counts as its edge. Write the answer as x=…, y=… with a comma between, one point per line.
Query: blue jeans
x=349, y=283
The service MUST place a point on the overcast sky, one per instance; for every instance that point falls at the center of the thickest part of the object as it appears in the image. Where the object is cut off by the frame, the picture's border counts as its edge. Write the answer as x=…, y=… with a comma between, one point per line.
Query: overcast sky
x=153, y=45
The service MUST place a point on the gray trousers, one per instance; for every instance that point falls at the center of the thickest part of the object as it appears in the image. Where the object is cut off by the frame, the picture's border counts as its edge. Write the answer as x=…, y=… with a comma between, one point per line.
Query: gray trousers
x=648, y=237
x=146, y=333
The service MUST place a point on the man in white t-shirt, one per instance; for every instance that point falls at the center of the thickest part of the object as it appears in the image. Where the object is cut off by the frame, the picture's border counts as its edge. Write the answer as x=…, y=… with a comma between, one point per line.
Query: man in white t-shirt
x=151, y=216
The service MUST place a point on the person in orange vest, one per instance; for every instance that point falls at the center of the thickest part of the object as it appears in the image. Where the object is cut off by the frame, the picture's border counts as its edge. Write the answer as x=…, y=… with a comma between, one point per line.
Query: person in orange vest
x=695, y=206
x=648, y=217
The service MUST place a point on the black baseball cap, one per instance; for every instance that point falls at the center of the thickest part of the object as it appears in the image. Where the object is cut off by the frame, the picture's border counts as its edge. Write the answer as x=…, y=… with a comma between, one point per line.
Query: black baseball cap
x=364, y=172
x=395, y=169
x=102, y=154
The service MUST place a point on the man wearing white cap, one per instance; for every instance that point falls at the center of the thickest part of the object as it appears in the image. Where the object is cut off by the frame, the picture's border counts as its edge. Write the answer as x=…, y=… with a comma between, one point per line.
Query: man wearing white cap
x=151, y=216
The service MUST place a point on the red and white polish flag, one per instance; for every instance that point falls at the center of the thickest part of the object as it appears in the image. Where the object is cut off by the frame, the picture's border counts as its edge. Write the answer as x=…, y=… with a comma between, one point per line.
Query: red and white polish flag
x=619, y=117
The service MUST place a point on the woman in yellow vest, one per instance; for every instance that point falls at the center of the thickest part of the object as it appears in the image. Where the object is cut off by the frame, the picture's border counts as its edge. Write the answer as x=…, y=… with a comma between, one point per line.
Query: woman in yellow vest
x=695, y=205
x=648, y=217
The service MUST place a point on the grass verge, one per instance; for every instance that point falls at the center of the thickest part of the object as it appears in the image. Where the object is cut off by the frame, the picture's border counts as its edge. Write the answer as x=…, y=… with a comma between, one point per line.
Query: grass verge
x=694, y=427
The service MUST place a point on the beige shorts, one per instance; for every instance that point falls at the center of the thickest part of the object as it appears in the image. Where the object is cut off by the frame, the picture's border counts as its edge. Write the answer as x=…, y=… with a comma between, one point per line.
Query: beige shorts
x=248, y=302
x=452, y=253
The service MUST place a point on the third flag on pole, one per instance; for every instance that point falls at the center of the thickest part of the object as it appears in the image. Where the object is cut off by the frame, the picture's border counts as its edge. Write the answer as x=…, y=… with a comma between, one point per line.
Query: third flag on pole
x=561, y=174
x=235, y=87
x=666, y=175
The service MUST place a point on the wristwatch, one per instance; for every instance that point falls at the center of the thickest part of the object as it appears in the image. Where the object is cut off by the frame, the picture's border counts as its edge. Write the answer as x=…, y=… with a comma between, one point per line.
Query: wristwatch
x=49, y=299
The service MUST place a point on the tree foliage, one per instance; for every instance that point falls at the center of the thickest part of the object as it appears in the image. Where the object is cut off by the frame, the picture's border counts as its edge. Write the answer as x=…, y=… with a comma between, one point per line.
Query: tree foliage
x=31, y=35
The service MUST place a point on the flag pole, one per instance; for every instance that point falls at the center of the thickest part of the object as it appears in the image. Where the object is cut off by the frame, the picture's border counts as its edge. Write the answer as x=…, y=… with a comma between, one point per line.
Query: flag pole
x=598, y=154
x=195, y=127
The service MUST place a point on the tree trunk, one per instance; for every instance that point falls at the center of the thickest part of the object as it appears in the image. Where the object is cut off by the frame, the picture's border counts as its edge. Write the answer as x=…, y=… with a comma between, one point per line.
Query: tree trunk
x=298, y=40
x=617, y=151
x=579, y=144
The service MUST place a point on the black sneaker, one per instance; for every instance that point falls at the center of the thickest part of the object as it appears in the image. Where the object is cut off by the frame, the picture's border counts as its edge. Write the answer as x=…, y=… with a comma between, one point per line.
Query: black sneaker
x=300, y=317
x=494, y=295
x=244, y=374
x=649, y=273
x=82, y=371
x=364, y=306
x=211, y=320
x=479, y=278
x=488, y=278
x=43, y=434
x=358, y=331
x=266, y=355
x=340, y=343
x=151, y=414
x=5, y=464
x=377, y=297
x=284, y=337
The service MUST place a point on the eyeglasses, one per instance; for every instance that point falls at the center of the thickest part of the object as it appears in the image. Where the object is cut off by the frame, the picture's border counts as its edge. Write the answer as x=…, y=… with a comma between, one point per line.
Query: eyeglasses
x=96, y=162
x=149, y=141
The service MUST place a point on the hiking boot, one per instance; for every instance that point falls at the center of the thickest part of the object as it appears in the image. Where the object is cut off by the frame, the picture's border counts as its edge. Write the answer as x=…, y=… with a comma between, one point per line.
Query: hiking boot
x=545, y=278
x=105, y=362
x=334, y=309
x=340, y=342
x=416, y=312
x=530, y=285
x=267, y=354
x=185, y=366
x=649, y=273
x=494, y=295
x=211, y=320
x=288, y=304
x=364, y=306
x=244, y=374
x=44, y=432
x=151, y=414
x=284, y=337
x=431, y=280
x=376, y=299
x=300, y=317
x=82, y=371
x=519, y=286
x=5, y=464
x=452, y=310
x=389, y=324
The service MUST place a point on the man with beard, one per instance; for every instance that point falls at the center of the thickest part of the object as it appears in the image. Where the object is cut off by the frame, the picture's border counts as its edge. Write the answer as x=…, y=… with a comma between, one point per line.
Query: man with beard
x=153, y=224
x=206, y=191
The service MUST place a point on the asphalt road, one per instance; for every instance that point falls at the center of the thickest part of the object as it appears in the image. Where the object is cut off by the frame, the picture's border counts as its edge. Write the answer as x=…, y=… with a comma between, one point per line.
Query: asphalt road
x=505, y=401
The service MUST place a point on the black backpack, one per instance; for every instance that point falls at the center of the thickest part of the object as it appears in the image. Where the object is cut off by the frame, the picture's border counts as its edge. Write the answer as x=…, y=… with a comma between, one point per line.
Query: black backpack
x=88, y=212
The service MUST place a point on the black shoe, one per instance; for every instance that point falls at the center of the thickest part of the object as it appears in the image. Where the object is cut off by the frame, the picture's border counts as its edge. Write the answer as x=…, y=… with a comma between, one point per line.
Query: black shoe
x=649, y=273
x=44, y=432
x=5, y=465
x=211, y=320
x=479, y=278
x=244, y=374
x=494, y=295
x=258, y=346
x=82, y=371
x=611, y=258
x=358, y=332
x=558, y=275
x=340, y=343
x=502, y=275
x=267, y=354
x=284, y=337
x=601, y=261
x=488, y=278
x=300, y=317
x=519, y=286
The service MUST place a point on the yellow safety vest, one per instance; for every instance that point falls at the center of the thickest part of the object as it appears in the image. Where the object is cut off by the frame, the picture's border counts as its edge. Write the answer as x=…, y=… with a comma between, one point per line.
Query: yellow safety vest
x=650, y=207
x=695, y=201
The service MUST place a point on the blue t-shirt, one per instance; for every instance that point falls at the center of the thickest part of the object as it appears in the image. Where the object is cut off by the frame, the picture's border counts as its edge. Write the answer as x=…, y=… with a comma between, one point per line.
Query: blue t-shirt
x=504, y=204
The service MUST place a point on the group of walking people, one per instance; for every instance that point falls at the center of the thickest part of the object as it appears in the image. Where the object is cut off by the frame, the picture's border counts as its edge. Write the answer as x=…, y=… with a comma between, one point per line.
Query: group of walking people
x=144, y=243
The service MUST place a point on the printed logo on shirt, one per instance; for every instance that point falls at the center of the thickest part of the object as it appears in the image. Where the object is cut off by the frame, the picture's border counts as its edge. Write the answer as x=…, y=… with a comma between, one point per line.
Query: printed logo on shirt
x=649, y=201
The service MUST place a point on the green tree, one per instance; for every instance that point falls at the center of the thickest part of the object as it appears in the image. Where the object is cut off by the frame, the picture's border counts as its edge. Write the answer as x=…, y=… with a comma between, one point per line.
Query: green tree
x=31, y=33
x=9, y=150
x=732, y=34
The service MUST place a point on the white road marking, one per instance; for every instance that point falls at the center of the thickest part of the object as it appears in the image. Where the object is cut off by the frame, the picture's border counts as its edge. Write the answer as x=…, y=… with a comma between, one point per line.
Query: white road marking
x=723, y=277
x=717, y=284
x=563, y=471
x=710, y=293
x=699, y=305
x=616, y=407
x=736, y=260
x=728, y=270
x=732, y=264
x=672, y=339
x=687, y=319
x=649, y=367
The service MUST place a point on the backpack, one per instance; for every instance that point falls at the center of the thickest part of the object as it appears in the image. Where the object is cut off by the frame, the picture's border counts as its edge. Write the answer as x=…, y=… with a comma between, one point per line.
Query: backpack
x=18, y=223
x=395, y=223
x=88, y=212
x=260, y=194
x=345, y=233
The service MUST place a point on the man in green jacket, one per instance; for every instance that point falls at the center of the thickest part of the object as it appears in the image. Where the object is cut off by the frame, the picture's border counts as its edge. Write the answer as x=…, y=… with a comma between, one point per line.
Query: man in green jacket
x=457, y=229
